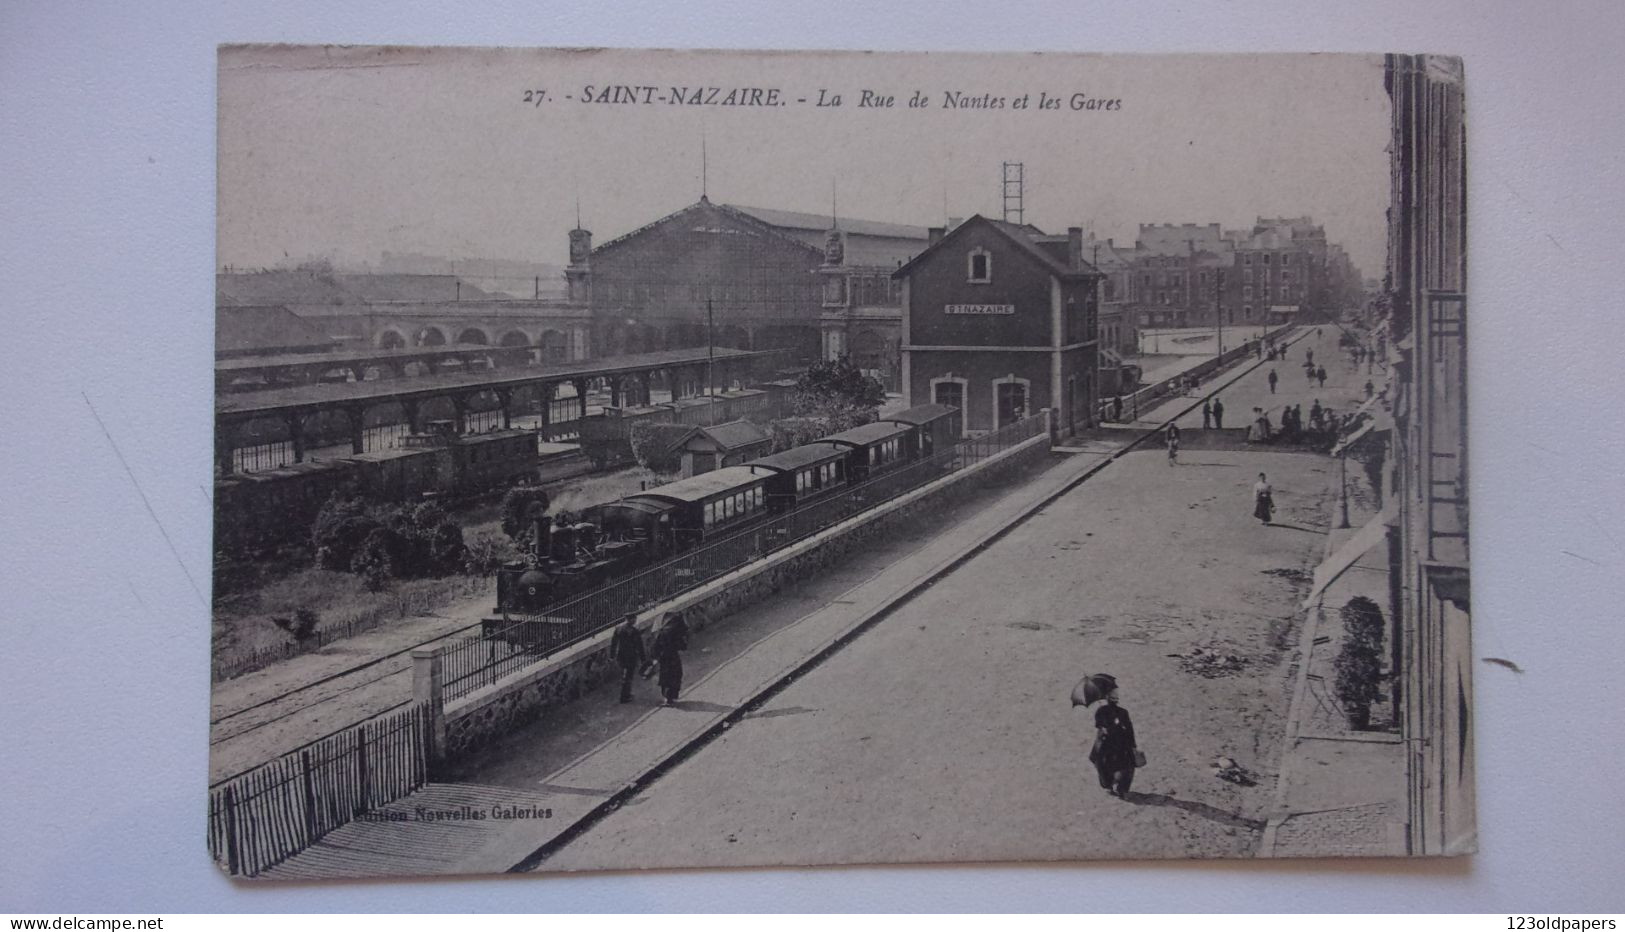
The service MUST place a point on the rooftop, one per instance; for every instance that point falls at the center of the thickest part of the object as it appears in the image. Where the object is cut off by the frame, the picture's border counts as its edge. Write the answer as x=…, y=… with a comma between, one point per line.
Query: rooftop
x=730, y=436
x=255, y=404
x=265, y=329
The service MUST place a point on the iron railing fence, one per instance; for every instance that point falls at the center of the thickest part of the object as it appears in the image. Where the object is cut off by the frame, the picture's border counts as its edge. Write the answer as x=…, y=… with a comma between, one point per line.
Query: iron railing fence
x=518, y=641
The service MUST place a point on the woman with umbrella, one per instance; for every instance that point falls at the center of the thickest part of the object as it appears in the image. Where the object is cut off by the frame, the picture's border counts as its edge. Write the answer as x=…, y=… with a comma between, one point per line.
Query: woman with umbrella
x=1115, y=754
x=670, y=641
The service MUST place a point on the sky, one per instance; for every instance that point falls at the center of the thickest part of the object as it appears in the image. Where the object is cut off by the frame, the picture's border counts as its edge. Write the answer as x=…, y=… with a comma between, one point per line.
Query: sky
x=346, y=153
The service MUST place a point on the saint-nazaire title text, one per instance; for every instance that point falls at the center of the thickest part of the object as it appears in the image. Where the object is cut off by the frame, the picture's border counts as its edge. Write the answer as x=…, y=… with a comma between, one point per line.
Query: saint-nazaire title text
x=650, y=95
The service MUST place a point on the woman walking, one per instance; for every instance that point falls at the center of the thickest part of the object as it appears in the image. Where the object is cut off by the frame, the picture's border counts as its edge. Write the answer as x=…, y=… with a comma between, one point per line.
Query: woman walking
x=1113, y=753
x=670, y=641
x=1263, y=500
x=1173, y=444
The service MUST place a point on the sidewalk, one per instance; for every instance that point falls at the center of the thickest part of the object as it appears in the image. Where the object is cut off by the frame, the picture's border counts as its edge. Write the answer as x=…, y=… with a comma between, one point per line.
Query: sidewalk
x=600, y=780
x=619, y=763
x=1340, y=792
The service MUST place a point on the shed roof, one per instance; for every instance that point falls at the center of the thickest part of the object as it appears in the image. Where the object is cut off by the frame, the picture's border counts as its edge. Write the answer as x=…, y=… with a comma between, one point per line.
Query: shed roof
x=730, y=436
x=263, y=329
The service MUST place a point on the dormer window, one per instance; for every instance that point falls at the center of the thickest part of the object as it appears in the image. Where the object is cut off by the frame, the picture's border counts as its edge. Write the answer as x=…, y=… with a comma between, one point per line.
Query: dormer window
x=979, y=266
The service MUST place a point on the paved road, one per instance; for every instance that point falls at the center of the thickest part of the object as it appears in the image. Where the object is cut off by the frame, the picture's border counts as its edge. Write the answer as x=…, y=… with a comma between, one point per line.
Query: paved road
x=1343, y=390
x=945, y=733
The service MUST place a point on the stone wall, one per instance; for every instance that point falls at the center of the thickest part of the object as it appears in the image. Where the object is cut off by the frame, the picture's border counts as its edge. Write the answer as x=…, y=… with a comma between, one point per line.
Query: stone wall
x=523, y=697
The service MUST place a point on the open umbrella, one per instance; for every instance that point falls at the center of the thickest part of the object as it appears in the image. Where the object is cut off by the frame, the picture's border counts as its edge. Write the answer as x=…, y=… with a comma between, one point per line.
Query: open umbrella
x=1093, y=688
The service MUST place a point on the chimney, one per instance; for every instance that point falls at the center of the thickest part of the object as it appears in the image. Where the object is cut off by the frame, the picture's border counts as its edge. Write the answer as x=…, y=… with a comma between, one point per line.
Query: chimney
x=1074, y=247
x=934, y=235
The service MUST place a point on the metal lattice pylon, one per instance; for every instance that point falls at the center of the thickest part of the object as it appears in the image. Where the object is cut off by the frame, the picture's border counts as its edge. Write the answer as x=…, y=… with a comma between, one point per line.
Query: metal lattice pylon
x=1015, y=184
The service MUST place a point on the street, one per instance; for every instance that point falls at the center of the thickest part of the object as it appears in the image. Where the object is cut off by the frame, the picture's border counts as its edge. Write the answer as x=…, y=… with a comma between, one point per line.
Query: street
x=945, y=731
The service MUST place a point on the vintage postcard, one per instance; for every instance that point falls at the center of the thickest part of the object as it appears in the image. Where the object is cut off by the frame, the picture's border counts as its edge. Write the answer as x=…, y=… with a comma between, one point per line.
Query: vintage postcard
x=671, y=459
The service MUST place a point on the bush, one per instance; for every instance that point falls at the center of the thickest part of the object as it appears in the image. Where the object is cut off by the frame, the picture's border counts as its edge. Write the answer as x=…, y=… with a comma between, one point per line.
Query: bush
x=486, y=554
x=380, y=558
x=516, y=510
x=387, y=542
x=443, y=549
x=1359, y=662
x=652, y=445
x=338, y=532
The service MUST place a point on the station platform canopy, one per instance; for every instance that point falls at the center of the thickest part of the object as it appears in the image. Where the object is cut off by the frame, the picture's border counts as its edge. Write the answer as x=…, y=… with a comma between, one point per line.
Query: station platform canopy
x=276, y=401
x=338, y=359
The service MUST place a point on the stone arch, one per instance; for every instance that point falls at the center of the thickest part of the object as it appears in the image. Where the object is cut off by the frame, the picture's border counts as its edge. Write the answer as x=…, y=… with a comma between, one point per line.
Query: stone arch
x=517, y=346
x=431, y=336
x=868, y=349
x=555, y=346
x=475, y=335
x=641, y=338
x=687, y=334
x=392, y=339
x=733, y=336
x=613, y=342
x=802, y=342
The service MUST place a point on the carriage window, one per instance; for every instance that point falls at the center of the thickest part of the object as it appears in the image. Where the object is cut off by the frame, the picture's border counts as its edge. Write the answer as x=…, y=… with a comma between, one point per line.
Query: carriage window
x=727, y=506
x=759, y=494
x=710, y=514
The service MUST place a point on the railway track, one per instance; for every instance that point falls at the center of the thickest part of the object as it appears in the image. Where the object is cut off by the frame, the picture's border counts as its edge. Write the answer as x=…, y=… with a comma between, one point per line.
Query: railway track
x=246, y=736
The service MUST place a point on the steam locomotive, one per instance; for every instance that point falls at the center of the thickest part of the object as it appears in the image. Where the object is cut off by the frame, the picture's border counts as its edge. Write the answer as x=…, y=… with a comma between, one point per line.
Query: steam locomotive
x=613, y=540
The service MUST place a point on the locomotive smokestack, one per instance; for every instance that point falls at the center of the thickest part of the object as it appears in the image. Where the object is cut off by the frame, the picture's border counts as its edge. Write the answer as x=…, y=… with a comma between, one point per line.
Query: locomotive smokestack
x=542, y=532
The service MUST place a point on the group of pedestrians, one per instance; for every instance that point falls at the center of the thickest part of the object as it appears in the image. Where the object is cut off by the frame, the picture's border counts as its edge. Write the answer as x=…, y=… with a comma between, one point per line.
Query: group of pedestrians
x=665, y=655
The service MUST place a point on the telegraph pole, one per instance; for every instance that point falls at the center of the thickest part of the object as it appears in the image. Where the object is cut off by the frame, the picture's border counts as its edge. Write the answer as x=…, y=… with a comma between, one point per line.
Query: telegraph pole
x=710, y=350
x=1218, y=308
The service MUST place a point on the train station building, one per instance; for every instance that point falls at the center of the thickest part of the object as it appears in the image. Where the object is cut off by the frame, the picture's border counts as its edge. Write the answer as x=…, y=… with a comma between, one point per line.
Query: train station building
x=818, y=286
x=1000, y=320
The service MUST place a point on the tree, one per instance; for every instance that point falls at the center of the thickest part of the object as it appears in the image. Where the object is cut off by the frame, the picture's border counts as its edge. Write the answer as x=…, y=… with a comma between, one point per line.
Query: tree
x=835, y=385
x=339, y=530
x=1359, y=661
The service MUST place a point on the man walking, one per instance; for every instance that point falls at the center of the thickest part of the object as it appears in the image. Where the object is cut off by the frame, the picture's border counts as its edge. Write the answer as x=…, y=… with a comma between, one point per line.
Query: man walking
x=1117, y=407
x=1207, y=415
x=626, y=650
x=1273, y=379
x=1320, y=374
x=1218, y=414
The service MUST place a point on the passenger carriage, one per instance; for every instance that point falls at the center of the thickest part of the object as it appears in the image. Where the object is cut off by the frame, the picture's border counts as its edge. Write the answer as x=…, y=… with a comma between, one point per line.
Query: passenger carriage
x=803, y=474
x=937, y=428
x=705, y=506
x=873, y=449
